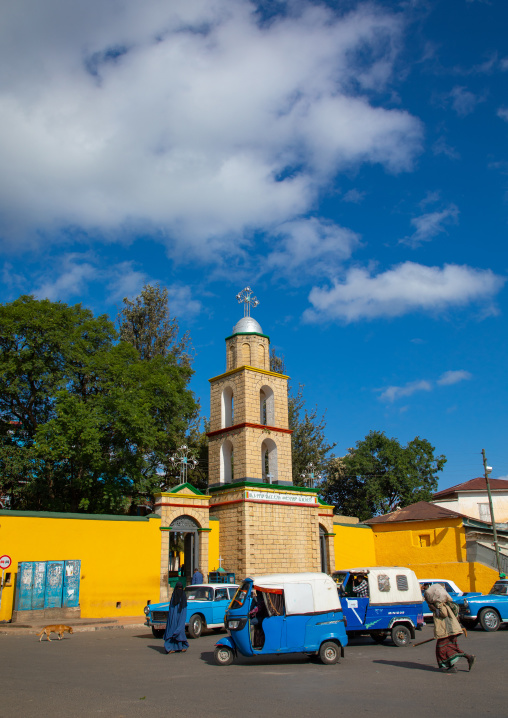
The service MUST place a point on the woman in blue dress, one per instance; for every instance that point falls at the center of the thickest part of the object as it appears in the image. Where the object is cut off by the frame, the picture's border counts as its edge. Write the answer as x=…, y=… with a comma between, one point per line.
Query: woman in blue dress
x=175, y=640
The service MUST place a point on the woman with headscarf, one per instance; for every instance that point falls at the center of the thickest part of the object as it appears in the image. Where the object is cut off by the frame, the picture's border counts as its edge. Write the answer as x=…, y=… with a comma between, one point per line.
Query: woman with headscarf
x=175, y=640
x=446, y=629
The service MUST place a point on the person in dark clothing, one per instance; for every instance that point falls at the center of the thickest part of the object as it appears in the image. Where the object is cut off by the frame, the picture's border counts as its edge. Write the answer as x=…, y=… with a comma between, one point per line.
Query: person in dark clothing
x=175, y=640
x=197, y=577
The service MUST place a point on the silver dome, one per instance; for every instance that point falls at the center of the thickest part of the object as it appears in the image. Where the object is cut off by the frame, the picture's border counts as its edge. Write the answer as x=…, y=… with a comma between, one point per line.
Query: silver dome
x=247, y=325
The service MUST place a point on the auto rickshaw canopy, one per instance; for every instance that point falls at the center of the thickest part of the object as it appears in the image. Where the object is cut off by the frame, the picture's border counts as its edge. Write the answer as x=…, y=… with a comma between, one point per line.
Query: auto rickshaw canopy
x=304, y=593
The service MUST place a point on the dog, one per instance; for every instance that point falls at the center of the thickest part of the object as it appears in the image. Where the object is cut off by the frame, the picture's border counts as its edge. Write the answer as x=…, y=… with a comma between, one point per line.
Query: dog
x=57, y=628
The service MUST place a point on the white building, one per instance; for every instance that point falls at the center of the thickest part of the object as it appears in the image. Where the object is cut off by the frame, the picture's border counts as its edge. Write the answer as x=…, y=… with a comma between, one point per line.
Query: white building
x=471, y=499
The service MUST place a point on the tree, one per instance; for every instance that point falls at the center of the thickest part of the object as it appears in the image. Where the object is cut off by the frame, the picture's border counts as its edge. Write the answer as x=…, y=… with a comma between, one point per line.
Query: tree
x=145, y=322
x=380, y=475
x=83, y=419
x=308, y=442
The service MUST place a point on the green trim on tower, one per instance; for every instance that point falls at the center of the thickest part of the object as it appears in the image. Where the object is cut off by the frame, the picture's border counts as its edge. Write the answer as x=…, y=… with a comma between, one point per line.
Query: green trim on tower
x=248, y=334
x=233, y=486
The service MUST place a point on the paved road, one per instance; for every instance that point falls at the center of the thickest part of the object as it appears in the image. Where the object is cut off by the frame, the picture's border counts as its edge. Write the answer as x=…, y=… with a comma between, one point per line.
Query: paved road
x=119, y=674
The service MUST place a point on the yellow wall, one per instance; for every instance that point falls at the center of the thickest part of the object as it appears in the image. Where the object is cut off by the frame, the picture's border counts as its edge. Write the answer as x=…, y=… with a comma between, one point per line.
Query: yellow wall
x=120, y=557
x=354, y=546
x=213, y=545
x=404, y=544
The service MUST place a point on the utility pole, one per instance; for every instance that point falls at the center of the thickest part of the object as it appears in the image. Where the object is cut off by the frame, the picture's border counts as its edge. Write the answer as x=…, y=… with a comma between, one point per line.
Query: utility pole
x=488, y=469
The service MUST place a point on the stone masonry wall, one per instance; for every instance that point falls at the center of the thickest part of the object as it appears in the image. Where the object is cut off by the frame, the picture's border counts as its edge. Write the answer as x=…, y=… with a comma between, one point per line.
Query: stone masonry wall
x=257, y=538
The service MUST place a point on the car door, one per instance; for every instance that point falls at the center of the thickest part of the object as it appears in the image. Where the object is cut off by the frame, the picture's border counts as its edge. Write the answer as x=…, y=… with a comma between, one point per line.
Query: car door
x=220, y=604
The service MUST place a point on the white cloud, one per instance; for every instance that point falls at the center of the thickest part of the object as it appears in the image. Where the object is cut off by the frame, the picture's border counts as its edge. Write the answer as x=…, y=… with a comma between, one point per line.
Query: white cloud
x=70, y=277
x=354, y=196
x=441, y=147
x=393, y=393
x=503, y=113
x=312, y=245
x=453, y=377
x=190, y=119
x=463, y=101
x=430, y=224
x=408, y=287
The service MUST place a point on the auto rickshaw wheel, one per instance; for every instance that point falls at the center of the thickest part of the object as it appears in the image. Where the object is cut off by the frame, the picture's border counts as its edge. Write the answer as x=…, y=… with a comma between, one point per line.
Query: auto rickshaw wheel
x=195, y=626
x=378, y=636
x=329, y=653
x=158, y=632
x=401, y=636
x=223, y=656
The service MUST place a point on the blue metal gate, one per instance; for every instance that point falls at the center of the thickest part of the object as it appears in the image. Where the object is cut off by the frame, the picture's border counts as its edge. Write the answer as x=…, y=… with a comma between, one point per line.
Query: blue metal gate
x=48, y=584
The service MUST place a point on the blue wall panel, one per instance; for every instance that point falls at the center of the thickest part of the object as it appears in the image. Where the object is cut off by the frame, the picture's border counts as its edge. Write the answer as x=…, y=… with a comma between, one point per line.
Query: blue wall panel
x=24, y=594
x=54, y=584
x=71, y=584
x=38, y=584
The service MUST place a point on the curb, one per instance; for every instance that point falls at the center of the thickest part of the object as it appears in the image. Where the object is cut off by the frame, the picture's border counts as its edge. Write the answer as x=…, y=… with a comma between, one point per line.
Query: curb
x=78, y=629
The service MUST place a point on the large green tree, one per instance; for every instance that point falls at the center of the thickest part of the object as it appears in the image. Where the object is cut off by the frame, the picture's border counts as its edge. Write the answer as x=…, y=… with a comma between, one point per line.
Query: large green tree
x=147, y=324
x=380, y=474
x=308, y=441
x=85, y=423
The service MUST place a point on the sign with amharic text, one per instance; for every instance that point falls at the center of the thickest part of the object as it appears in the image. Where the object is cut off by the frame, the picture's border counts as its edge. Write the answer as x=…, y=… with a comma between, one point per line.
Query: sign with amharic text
x=280, y=497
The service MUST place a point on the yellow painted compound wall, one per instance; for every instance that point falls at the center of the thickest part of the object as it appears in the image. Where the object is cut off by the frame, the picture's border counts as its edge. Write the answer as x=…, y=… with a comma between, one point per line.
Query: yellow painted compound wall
x=354, y=546
x=433, y=549
x=213, y=545
x=120, y=557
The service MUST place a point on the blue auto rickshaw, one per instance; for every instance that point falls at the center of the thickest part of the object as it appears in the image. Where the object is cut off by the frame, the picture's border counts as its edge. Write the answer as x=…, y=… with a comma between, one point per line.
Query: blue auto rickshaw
x=284, y=613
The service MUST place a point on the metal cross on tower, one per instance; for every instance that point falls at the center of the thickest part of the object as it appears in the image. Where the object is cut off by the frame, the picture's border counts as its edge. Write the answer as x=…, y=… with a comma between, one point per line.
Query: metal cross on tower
x=248, y=300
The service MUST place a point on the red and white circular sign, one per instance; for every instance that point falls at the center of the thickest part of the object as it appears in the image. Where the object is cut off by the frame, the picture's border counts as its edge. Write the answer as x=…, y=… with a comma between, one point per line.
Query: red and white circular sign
x=5, y=562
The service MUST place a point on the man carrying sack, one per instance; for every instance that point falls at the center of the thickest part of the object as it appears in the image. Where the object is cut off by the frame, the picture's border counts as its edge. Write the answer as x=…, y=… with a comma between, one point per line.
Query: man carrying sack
x=446, y=629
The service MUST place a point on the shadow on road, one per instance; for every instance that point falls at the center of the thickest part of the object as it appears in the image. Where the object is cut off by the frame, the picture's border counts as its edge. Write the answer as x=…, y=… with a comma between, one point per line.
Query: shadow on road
x=409, y=664
x=288, y=659
x=159, y=649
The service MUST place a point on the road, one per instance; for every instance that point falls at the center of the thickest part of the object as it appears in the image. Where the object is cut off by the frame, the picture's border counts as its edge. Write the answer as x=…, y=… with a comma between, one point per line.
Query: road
x=124, y=673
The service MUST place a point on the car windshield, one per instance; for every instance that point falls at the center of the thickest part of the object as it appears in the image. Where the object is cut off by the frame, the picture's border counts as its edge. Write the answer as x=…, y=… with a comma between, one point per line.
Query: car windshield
x=499, y=589
x=199, y=593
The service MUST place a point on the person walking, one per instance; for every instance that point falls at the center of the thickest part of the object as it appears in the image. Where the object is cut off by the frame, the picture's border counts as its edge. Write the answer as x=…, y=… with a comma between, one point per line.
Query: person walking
x=446, y=630
x=175, y=640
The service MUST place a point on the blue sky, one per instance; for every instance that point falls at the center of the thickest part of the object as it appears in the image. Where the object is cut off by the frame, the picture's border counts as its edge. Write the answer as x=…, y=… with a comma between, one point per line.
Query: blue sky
x=347, y=160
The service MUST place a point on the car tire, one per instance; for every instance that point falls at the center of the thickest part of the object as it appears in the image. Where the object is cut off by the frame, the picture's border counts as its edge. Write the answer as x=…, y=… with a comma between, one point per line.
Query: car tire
x=195, y=628
x=223, y=656
x=401, y=636
x=489, y=619
x=329, y=653
x=158, y=632
x=378, y=636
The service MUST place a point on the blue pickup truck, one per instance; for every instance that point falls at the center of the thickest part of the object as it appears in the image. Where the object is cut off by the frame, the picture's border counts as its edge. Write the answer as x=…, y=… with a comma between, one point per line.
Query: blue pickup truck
x=206, y=606
x=393, y=606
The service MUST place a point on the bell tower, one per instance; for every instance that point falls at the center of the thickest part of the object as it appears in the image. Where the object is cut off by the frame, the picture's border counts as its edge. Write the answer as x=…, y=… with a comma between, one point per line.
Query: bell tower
x=267, y=525
x=249, y=437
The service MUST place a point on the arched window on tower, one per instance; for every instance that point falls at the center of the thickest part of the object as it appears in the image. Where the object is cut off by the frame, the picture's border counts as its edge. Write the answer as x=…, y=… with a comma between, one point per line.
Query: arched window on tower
x=226, y=462
x=266, y=406
x=227, y=407
x=246, y=354
x=231, y=357
x=261, y=356
x=269, y=467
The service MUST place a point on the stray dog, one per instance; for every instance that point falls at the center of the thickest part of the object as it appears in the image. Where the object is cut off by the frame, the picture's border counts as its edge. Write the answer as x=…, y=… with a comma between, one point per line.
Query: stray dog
x=57, y=628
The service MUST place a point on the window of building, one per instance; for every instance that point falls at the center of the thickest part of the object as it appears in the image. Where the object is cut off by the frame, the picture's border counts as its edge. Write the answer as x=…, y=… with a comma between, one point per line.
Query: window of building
x=484, y=512
x=424, y=540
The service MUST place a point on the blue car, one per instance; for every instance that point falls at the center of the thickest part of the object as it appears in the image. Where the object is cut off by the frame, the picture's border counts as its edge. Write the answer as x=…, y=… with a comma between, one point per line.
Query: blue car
x=490, y=610
x=206, y=606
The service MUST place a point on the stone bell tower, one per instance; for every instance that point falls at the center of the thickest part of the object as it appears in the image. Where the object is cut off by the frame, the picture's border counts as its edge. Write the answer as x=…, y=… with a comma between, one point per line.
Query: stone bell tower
x=267, y=525
x=249, y=437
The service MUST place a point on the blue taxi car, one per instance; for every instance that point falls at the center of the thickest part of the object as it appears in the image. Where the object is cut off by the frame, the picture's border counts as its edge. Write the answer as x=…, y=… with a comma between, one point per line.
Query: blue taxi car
x=490, y=610
x=206, y=606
